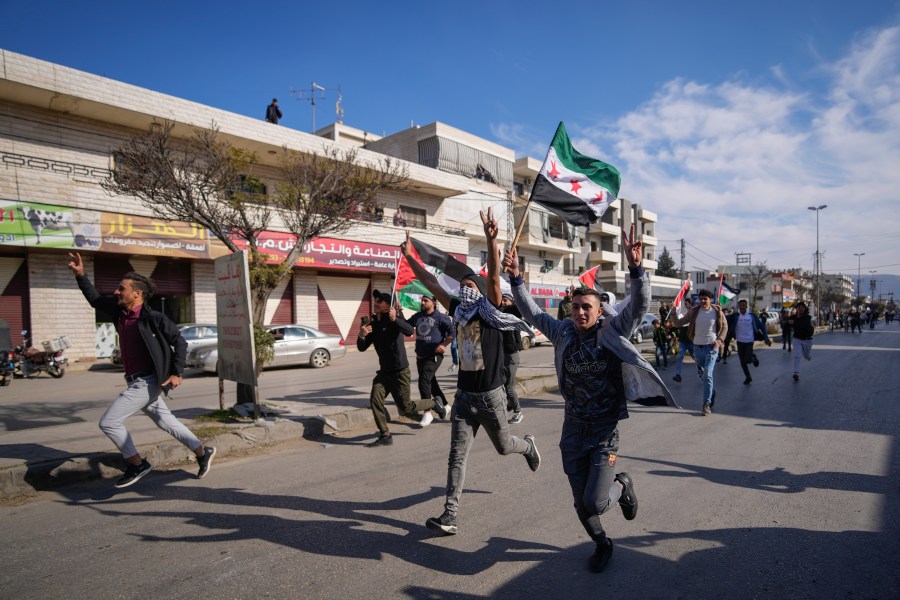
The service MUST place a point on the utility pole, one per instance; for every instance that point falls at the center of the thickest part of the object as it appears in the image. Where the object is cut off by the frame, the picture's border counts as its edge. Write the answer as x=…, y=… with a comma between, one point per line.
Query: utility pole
x=682, y=259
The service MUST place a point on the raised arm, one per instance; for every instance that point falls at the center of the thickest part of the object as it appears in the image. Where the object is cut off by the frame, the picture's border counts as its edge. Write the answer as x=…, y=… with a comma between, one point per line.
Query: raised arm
x=491, y=230
x=422, y=274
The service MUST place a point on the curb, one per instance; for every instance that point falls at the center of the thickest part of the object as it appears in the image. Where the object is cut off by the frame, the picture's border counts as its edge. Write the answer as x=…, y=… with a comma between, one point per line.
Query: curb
x=22, y=481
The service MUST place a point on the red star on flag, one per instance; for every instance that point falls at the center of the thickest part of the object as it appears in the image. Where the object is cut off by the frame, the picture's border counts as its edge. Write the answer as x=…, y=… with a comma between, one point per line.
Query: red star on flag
x=575, y=186
x=553, y=172
x=598, y=199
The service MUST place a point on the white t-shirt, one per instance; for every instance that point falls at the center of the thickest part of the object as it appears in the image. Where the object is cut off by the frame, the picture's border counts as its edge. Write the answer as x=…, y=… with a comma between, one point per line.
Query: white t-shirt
x=744, y=330
x=705, y=327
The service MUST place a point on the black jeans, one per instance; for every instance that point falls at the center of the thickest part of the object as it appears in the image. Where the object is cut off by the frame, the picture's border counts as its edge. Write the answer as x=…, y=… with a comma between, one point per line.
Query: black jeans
x=589, y=460
x=428, y=383
x=511, y=363
x=745, y=355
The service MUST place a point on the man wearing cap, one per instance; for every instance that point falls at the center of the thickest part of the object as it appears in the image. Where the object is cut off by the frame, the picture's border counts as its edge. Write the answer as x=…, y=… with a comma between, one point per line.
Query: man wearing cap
x=512, y=342
x=385, y=331
x=434, y=333
x=480, y=396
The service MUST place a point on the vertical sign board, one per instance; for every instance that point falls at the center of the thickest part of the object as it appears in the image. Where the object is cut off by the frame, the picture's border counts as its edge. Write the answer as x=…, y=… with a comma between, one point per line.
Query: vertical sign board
x=237, y=355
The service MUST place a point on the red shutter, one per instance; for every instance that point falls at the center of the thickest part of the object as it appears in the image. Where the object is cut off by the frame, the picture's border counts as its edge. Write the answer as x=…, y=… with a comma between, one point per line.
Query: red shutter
x=15, y=307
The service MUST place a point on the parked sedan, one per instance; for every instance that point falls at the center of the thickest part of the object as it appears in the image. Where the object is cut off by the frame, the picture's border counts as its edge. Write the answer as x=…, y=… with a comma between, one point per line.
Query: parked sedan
x=644, y=331
x=294, y=345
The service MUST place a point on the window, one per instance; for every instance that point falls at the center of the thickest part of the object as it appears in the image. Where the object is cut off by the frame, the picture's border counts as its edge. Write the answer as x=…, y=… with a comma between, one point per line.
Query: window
x=414, y=217
x=294, y=333
x=484, y=257
x=593, y=246
x=518, y=188
x=483, y=174
x=548, y=266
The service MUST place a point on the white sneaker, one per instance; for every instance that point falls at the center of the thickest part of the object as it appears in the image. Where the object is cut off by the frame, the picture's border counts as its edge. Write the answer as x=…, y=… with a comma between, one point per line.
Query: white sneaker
x=427, y=418
x=451, y=368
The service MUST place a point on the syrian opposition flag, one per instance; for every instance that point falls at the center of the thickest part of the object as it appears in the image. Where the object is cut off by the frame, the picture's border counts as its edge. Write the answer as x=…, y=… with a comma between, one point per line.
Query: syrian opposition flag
x=588, y=279
x=576, y=188
x=444, y=267
x=727, y=293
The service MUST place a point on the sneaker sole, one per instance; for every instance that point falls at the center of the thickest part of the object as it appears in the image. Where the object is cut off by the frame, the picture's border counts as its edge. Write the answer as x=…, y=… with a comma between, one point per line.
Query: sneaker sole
x=530, y=440
x=446, y=529
x=208, y=465
x=132, y=481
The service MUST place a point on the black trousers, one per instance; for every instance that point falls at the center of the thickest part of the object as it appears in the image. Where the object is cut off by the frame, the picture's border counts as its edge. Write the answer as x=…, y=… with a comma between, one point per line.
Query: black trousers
x=745, y=355
x=428, y=383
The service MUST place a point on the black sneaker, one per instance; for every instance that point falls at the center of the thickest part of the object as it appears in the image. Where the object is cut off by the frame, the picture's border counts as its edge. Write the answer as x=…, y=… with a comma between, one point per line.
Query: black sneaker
x=517, y=418
x=677, y=378
x=133, y=473
x=205, y=461
x=755, y=361
x=383, y=440
x=532, y=456
x=628, y=499
x=600, y=558
x=446, y=523
x=796, y=376
x=748, y=381
x=440, y=410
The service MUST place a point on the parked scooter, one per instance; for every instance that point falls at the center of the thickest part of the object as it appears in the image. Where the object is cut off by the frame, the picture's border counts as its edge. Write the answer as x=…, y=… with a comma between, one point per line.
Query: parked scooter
x=30, y=361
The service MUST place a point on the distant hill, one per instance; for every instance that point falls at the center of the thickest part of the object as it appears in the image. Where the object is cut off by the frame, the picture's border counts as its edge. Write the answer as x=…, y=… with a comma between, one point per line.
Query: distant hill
x=886, y=283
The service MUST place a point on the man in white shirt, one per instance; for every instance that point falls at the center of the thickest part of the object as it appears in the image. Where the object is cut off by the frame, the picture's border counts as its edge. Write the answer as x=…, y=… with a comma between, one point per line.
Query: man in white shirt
x=706, y=329
x=746, y=327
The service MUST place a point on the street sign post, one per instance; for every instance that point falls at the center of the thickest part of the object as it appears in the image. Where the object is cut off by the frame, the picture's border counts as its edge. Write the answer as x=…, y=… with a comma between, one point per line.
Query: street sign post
x=237, y=352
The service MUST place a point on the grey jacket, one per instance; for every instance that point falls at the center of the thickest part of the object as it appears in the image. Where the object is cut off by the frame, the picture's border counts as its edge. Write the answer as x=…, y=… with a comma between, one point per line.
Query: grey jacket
x=641, y=383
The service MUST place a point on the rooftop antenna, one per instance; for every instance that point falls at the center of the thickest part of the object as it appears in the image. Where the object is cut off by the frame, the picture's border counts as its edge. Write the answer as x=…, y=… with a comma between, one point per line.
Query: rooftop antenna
x=317, y=92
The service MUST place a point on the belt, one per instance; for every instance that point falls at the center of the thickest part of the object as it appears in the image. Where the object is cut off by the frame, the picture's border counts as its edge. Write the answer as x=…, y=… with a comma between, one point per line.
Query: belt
x=129, y=379
x=704, y=345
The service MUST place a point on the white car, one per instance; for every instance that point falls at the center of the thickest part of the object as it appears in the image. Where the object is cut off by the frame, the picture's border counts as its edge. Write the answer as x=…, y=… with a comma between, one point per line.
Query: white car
x=294, y=345
x=535, y=338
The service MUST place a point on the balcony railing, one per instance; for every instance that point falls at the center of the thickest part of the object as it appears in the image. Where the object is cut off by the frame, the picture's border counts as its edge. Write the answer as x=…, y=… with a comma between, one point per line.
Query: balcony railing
x=368, y=217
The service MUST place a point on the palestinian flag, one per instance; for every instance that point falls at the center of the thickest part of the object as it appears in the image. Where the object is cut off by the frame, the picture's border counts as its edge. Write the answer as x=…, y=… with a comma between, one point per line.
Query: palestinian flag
x=588, y=279
x=576, y=188
x=444, y=267
x=727, y=293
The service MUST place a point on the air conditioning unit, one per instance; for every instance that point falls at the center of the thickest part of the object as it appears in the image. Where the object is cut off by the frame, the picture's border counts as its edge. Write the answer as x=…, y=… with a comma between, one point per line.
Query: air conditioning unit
x=542, y=253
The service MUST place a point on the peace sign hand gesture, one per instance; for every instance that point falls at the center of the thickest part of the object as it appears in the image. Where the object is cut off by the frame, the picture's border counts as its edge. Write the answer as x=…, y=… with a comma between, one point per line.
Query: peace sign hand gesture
x=491, y=229
x=633, y=248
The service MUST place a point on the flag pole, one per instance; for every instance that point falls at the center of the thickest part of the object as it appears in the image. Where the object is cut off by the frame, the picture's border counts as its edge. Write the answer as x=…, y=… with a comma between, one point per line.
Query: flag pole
x=515, y=241
x=396, y=273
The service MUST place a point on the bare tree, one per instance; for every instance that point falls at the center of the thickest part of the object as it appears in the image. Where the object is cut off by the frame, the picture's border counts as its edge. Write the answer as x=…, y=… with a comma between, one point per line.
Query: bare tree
x=757, y=279
x=204, y=180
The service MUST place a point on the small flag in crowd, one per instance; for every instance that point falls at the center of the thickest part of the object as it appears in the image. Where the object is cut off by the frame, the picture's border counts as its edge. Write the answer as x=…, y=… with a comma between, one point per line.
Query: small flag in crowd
x=444, y=267
x=576, y=188
x=589, y=280
x=680, y=297
x=727, y=293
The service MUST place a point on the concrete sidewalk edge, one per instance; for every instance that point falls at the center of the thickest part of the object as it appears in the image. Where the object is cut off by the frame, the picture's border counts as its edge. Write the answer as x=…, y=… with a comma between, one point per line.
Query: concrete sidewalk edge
x=26, y=479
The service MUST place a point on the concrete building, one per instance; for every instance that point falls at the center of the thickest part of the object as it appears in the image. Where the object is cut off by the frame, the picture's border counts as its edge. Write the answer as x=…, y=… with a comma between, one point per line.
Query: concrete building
x=59, y=128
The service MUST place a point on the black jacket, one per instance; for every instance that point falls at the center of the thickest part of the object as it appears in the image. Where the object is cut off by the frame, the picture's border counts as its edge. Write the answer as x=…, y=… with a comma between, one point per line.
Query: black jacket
x=159, y=333
x=387, y=336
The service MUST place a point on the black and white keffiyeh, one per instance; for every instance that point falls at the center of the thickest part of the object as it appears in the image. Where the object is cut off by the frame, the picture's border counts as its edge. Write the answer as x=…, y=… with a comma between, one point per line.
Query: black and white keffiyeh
x=472, y=301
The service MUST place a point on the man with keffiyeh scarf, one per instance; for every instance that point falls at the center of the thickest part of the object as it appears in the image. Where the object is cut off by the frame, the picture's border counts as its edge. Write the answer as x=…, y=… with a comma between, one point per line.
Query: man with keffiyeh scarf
x=480, y=396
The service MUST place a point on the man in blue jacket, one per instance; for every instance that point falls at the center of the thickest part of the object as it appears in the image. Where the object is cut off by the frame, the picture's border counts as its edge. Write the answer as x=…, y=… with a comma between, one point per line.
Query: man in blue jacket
x=598, y=371
x=434, y=334
x=746, y=328
x=152, y=368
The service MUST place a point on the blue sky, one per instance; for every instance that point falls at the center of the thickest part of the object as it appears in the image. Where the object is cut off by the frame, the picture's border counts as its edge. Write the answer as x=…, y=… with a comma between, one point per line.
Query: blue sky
x=728, y=119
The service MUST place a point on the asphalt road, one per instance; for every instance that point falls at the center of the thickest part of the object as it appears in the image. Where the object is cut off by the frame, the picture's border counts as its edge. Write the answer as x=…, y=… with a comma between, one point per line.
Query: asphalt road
x=789, y=490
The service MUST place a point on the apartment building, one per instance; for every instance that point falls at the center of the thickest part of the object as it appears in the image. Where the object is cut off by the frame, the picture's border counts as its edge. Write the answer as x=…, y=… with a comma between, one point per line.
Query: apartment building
x=59, y=128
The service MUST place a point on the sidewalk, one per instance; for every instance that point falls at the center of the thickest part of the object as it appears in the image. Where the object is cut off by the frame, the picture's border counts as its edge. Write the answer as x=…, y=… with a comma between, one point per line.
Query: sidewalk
x=42, y=458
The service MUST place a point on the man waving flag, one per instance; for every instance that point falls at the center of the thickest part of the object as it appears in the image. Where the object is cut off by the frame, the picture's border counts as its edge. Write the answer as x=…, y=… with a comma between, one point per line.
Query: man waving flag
x=576, y=188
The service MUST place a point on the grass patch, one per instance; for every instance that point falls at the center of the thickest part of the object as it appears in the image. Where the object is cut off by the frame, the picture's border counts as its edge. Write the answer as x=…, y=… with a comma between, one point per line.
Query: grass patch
x=210, y=431
x=222, y=416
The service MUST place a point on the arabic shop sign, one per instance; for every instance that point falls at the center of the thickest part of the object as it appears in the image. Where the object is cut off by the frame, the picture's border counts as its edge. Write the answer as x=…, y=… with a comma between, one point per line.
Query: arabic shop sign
x=329, y=253
x=52, y=226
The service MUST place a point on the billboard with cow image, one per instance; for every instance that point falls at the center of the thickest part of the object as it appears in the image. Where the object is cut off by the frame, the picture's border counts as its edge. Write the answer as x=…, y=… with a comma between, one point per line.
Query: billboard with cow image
x=51, y=226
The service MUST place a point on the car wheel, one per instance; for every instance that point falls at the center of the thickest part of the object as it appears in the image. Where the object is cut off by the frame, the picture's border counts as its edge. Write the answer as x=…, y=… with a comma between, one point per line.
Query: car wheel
x=319, y=358
x=638, y=337
x=526, y=343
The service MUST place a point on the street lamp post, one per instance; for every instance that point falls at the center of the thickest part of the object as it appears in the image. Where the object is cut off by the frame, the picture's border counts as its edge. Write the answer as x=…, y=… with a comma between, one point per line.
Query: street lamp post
x=818, y=262
x=858, y=271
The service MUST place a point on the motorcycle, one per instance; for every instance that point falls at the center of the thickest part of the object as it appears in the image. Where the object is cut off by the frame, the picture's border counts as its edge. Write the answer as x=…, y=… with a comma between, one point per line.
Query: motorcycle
x=30, y=361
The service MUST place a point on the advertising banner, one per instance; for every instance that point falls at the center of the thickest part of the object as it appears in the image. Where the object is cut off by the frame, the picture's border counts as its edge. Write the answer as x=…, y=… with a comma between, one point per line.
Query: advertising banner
x=237, y=354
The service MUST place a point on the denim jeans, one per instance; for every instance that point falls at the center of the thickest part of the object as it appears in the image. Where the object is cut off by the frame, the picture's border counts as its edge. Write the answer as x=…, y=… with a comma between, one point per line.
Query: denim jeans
x=589, y=460
x=143, y=394
x=685, y=348
x=706, y=357
x=662, y=351
x=804, y=348
x=471, y=411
